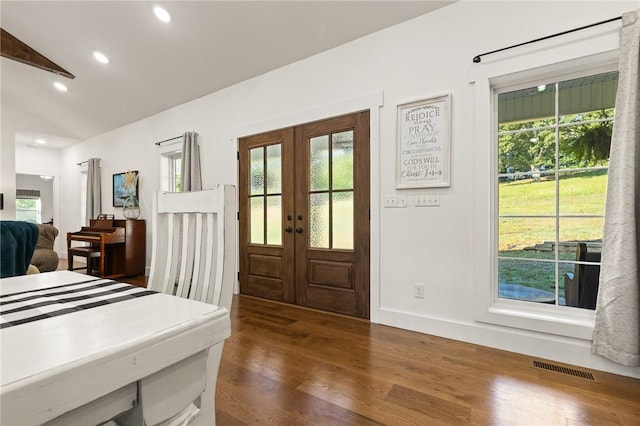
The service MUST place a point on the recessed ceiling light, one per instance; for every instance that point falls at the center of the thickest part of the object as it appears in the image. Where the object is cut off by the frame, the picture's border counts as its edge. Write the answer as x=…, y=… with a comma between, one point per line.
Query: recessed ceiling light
x=61, y=87
x=100, y=57
x=40, y=141
x=162, y=14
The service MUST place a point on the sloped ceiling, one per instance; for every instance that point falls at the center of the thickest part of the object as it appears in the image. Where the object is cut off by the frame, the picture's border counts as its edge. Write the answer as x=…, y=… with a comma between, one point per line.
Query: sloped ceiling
x=208, y=45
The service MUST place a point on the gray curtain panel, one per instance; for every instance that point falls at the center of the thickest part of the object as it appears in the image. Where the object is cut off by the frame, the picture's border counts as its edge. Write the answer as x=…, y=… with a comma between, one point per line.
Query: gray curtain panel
x=191, y=175
x=94, y=191
x=617, y=327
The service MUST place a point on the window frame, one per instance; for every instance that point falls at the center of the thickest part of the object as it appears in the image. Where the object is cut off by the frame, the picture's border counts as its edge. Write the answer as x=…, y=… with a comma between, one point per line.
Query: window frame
x=497, y=90
x=37, y=210
x=168, y=160
x=592, y=51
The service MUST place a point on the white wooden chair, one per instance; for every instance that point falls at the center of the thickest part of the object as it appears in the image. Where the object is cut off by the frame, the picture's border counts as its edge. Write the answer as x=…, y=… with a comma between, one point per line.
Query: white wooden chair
x=194, y=253
x=194, y=245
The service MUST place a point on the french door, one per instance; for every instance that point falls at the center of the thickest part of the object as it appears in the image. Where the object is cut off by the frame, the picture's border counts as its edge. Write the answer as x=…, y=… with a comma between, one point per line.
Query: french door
x=304, y=215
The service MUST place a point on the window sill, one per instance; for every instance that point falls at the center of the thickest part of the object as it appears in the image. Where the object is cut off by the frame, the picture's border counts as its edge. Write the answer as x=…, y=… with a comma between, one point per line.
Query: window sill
x=561, y=321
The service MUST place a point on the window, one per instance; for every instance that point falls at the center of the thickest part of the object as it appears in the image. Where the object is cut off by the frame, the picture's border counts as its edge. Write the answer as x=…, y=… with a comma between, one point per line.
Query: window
x=553, y=139
x=28, y=205
x=171, y=169
x=593, y=52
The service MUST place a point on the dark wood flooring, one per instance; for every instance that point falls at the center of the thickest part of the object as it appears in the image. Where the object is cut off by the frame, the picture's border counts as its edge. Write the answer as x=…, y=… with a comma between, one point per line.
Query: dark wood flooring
x=285, y=365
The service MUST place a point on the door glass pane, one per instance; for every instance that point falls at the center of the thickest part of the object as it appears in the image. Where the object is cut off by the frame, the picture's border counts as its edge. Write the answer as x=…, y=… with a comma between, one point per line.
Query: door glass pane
x=319, y=163
x=319, y=220
x=257, y=220
x=274, y=219
x=343, y=220
x=342, y=158
x=274, y=169
x=257, y=171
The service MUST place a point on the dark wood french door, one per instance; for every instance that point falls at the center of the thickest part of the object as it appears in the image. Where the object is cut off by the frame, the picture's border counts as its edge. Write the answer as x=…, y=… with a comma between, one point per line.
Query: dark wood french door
x=304, y=215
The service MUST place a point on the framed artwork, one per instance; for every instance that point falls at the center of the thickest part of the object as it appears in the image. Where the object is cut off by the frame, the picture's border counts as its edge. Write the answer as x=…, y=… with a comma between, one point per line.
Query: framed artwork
x=120, y=190
x=423, y=143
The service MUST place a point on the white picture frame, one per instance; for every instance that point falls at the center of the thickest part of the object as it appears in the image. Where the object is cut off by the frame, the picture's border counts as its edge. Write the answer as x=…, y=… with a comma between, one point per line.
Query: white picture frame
x=423, y=143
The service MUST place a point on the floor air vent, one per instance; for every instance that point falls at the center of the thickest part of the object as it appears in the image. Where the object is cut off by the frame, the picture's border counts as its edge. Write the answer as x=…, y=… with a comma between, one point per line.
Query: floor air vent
x=564, y=370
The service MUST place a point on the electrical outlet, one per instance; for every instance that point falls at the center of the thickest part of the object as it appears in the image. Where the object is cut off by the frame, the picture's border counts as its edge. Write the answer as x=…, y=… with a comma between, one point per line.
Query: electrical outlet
x=419, y=290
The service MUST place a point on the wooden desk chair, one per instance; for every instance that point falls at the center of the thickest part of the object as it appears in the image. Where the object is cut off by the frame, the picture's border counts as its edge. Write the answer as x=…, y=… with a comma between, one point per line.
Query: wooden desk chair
x=194, y=252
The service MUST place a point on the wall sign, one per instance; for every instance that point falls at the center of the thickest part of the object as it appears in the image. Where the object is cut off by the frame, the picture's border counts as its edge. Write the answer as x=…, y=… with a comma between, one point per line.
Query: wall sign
x=423, y=143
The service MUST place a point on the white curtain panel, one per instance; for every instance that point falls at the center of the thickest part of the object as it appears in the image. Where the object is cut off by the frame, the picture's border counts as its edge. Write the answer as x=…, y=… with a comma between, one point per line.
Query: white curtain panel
x=191, y=174
x=617, y=327
x=94, y=191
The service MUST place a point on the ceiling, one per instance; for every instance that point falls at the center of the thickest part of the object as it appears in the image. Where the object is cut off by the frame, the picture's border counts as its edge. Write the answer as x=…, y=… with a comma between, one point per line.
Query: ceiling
x=207, y=46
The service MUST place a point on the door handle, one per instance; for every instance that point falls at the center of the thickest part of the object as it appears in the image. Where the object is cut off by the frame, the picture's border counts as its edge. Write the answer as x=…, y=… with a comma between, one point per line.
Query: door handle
x=288, y=229
x=299, y=230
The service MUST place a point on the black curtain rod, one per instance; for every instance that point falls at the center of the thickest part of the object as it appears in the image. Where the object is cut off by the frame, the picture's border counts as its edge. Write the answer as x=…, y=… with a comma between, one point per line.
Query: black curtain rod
x=168, y=140
x=477, y=58
x=85, y=161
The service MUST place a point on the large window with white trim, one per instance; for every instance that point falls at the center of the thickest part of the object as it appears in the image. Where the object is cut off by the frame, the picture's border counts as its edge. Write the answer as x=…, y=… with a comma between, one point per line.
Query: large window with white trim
x=553, y=138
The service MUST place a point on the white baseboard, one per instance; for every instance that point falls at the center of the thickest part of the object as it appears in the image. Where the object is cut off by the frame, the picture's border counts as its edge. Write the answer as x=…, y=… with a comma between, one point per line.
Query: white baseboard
x=556, y=348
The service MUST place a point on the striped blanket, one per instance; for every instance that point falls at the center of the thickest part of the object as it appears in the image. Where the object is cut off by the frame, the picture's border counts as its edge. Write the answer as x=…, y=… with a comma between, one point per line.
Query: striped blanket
x=33, y=305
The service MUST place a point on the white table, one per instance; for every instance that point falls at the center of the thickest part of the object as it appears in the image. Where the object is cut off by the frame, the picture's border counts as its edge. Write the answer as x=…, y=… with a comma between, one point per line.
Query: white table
x=84, y=367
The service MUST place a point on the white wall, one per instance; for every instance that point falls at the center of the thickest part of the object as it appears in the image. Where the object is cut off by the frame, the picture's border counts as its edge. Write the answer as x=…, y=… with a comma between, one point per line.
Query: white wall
x=428, y=56
x=35, y=160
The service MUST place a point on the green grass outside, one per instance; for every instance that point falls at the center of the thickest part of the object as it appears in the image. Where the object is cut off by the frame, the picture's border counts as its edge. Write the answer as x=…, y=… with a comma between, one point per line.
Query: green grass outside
x=581, y=193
